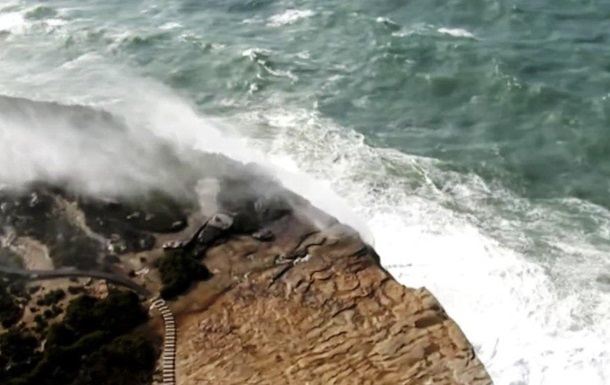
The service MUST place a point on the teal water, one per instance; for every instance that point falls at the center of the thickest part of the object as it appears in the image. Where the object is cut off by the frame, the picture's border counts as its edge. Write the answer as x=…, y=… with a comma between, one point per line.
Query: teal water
x=471, y=138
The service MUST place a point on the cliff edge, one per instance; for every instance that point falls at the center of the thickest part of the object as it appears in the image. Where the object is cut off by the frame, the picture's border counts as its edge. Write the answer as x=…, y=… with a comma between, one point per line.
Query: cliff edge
x=244, y=281
x=312, y=305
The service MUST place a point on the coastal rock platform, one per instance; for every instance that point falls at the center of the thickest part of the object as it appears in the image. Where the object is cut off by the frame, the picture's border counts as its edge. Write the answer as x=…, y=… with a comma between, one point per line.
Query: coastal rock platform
x=263, y=288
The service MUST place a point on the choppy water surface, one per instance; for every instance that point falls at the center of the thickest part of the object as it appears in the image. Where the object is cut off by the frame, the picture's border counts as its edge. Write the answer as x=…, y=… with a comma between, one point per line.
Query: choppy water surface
x=471, y=138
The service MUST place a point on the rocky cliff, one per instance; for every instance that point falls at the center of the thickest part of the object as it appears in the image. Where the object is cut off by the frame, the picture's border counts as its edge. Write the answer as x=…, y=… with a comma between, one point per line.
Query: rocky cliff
x=256, y=285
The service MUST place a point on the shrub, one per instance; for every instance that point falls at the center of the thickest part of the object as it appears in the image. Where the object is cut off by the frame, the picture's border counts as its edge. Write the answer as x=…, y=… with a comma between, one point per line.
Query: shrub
x=51, y=298
x=77, y=250
x=76, y=290
x=10, y=311
x=16, y=346
x=94, y=344
x=178, y=271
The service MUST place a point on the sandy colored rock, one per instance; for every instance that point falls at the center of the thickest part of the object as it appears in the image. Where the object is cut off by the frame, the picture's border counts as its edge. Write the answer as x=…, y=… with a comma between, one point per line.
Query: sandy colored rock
x=319, y=312
x=294, y=297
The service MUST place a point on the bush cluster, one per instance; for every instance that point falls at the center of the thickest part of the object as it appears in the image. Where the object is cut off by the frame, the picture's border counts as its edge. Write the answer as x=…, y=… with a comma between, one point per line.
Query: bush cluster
x=178, y=271
x=94, y=344
x=75, y=250
x=10, y=311
x=51, y=298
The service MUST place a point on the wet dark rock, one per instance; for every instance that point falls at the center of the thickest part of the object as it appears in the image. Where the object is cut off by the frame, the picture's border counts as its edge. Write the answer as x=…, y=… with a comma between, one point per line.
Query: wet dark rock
x=207, y=237
x=35, y=213
x=221, y=221
x=130, y=224
x=272, y=208
x=218, y=226
x=29, y=213
x=112, y=223
x=254, y=202
x=158, y=213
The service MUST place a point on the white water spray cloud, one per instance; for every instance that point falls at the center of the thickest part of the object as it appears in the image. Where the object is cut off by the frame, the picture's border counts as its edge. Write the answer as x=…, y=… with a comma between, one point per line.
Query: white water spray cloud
x=145, y=142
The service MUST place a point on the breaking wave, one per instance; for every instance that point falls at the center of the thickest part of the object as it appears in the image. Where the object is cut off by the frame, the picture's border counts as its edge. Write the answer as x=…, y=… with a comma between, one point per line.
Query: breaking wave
x=289, y=17
x=535, y=314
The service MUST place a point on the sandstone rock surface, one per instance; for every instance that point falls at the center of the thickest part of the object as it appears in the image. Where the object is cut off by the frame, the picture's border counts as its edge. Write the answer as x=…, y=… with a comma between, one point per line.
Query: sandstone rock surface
x=293, y=296
x=314, y=306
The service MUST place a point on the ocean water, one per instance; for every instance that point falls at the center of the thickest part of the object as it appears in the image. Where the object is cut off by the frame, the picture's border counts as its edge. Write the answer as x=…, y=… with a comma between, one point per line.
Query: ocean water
x=469, y=140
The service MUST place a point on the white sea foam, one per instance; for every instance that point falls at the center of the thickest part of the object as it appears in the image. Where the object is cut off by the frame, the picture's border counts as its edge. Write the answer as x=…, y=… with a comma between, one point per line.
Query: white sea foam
x=255, y=53
x=290, y=16
x=424, y=29
x=531, y=322
x=414, y=29
x=148, y=109
x=16, y=23
x=456, y=32
x=386, y=20
x=260, y=56
x=12, y=22
x=170, y=25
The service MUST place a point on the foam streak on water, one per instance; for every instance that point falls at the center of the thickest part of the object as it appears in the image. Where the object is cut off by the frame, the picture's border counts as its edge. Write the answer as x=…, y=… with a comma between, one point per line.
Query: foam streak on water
x=289, y=17
x=456, y=32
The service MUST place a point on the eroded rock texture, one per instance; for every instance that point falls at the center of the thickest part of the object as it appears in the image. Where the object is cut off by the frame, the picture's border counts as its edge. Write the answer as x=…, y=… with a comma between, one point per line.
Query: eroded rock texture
x=321, y=311
x=285, y=294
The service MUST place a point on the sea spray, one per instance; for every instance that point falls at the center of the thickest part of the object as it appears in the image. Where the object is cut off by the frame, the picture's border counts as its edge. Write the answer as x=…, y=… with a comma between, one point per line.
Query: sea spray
x=441, y=229
x=129, y=145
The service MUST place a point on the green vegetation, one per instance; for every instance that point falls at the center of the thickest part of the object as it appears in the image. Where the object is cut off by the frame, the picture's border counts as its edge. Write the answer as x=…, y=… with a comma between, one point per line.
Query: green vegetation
x=178, y=271
x=17, y=288
x=94, y=344
x=17, y=355
x=41, y=324
x=76, y=250
x=53, y=312
x=128, y=360
x=51, y=298
x=34, y=289
x=74, y=290
x=10, y=311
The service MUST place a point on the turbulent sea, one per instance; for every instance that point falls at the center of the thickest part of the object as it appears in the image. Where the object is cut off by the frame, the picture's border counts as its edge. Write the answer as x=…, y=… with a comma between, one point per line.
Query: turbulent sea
x=468, y=139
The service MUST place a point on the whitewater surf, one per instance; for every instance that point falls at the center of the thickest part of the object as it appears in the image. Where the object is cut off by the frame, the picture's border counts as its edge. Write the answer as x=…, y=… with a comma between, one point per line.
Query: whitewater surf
x=476, y=167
